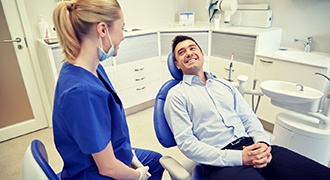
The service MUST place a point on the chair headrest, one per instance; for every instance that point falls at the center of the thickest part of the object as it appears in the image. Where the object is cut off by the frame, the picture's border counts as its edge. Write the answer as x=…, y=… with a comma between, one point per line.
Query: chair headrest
x=175, y=72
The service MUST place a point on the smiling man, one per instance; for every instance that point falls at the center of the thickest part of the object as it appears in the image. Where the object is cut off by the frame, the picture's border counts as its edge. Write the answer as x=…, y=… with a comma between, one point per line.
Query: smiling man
x=213, y=125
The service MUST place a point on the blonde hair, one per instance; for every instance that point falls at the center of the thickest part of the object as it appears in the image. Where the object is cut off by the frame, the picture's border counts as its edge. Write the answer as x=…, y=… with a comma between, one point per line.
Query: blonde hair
x=74, y=19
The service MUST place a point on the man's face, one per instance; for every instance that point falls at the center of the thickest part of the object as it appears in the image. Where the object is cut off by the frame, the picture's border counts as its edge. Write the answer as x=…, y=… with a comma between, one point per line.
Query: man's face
x=189, y=57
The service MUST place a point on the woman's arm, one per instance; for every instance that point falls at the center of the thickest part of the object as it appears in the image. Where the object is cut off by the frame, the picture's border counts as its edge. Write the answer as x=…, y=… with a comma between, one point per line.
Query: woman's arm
x=110, y=166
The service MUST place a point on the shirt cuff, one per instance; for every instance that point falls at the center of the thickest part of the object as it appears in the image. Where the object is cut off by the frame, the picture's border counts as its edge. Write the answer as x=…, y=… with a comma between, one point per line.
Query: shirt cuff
x=233, y=157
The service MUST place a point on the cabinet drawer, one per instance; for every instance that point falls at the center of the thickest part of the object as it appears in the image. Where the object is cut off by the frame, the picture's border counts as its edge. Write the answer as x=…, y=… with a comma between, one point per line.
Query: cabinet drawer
x=138, y=68
x=139, y=94
x=138, y=80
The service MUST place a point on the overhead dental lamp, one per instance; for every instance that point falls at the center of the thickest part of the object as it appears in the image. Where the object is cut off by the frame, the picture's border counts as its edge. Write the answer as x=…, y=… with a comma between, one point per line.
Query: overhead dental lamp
x=225, y=8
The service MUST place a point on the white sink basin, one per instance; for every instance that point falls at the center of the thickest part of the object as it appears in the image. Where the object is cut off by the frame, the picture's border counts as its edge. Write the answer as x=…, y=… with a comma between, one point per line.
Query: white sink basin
x=289, y=93
x=300, y=55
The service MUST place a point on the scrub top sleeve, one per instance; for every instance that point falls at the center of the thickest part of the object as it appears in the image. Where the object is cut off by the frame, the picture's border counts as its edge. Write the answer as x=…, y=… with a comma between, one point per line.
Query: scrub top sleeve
x=87, y=116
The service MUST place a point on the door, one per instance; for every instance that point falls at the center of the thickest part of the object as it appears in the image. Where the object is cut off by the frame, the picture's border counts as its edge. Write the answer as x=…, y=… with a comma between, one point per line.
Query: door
x=21, y=109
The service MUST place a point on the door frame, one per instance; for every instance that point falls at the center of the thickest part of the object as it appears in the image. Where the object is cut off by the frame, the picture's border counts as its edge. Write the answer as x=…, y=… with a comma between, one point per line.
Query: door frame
x=31, y=75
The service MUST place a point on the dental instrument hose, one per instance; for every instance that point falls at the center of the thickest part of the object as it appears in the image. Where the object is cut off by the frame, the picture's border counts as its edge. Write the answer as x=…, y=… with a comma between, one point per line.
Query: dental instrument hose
x=214, y=10
x=254, y=109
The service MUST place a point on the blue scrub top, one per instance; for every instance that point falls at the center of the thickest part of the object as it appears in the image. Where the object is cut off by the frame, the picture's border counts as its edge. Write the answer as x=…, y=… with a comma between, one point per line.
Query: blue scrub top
x=87, y=115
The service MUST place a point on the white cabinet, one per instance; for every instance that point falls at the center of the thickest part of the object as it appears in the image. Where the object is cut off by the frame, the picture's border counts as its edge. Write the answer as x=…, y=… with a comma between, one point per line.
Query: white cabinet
x=274, y=69
x=50, y=60
x=138, y=81
x=138, y=69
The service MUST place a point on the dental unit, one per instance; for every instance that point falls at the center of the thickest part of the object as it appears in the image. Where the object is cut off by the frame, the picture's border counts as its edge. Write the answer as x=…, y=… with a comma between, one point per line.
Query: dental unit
x=308, y=121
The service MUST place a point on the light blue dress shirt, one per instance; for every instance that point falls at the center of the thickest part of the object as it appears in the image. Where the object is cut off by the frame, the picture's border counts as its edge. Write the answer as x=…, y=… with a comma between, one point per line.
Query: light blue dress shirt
x=204, y=118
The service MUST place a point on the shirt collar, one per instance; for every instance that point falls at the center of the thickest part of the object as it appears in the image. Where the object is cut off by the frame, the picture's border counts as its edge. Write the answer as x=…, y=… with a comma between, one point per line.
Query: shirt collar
x=190, y=79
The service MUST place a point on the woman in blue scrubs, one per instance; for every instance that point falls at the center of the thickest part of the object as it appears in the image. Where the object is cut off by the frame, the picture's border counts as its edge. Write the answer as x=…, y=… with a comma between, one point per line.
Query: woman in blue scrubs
x=89, y=123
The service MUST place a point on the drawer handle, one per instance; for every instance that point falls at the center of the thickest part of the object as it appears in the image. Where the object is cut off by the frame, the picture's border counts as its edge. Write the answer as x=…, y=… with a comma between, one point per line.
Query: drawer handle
x=227, y=69
x=139, y=89
x=140, y=79
x=139, y=69
x=265, y=61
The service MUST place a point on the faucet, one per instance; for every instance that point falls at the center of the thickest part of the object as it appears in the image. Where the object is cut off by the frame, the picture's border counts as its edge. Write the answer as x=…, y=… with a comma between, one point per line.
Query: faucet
x=301, y=87
x=307, y=43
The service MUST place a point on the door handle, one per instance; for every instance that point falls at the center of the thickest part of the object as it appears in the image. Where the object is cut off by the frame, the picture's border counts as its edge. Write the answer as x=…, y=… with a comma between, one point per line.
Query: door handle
x=12, y=40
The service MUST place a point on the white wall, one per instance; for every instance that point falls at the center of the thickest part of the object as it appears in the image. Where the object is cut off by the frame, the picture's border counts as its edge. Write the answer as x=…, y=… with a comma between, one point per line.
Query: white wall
x=136, y=12
x=298, y=18
x=34, y=8
x=147, y=12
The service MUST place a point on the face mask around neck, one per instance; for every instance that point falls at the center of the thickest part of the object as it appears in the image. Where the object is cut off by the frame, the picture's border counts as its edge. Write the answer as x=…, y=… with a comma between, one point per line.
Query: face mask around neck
x=102, y=55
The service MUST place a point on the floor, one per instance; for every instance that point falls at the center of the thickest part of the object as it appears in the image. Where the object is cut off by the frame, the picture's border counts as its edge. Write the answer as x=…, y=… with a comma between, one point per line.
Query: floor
x=141, y=131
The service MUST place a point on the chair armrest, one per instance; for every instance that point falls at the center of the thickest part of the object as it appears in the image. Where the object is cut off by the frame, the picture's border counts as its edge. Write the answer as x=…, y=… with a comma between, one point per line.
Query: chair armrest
x=174, y=168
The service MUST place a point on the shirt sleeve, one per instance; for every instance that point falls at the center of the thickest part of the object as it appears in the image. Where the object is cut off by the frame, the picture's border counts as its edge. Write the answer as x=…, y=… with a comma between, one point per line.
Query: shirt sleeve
x=181, y=125
x=252, y=124
x=87, y=115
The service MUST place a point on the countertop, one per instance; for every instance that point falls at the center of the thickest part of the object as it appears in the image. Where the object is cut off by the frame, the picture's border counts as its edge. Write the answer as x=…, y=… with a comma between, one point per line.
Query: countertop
x=226, y=28
x=198, y=26
x=324, y=61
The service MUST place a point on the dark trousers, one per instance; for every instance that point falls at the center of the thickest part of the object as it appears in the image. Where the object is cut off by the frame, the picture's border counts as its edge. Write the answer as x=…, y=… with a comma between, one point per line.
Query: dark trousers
x=285, y=164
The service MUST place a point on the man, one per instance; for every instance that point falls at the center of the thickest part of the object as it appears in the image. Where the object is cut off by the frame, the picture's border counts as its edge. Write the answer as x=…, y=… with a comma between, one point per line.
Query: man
x=214, y=126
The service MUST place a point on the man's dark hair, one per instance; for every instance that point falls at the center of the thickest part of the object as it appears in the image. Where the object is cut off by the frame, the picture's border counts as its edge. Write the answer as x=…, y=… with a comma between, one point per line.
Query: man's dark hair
x=181, y=38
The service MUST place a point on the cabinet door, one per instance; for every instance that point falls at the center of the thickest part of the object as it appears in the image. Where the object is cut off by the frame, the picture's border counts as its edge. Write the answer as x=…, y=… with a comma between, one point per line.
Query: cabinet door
x=272, y=69
x=223, y=44
x=220, y=67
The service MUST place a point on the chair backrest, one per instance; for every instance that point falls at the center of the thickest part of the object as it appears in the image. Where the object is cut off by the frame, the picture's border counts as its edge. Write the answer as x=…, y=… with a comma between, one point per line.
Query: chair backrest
x=163, y=132
x=35, y=163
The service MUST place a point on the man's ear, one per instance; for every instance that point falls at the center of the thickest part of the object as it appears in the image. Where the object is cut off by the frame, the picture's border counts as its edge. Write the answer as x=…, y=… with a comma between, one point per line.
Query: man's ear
x=176, y=64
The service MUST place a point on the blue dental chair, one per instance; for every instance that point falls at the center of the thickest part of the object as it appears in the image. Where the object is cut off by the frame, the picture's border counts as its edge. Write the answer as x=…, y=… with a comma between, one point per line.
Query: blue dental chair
x=35, y=163
x=164, y=133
